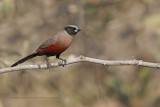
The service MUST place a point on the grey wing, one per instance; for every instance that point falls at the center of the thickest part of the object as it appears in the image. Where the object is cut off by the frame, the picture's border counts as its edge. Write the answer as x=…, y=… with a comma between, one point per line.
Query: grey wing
x=49, y=42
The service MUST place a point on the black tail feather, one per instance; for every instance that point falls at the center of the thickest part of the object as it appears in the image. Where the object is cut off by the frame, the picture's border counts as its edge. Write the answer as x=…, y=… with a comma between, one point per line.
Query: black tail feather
x=24, y=59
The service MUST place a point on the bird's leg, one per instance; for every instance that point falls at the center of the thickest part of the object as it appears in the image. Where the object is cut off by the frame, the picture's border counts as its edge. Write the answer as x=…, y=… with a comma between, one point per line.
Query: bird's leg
x=63, y=60
x=47, y=62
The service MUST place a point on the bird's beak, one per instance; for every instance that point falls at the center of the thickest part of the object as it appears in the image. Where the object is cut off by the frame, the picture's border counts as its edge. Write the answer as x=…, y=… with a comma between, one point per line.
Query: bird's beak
x=77, y=30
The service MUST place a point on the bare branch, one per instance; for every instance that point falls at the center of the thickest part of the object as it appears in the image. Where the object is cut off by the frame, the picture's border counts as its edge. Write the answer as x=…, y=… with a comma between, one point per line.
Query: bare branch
x=84, y=59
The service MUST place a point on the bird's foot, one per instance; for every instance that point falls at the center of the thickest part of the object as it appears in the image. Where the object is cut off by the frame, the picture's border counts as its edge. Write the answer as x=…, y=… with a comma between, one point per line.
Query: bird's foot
x=64, y=61
x=48, y=66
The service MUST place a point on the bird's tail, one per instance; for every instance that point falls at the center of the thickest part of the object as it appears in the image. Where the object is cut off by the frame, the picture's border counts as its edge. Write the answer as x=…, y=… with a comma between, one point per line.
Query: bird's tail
x=24, y=59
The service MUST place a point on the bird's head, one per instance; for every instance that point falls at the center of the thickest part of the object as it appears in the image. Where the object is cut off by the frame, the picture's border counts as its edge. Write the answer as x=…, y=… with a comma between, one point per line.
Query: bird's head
x=72, y=29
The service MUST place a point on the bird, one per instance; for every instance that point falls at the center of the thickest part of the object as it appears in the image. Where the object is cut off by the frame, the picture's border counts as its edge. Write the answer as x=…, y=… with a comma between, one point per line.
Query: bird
x=54, y=46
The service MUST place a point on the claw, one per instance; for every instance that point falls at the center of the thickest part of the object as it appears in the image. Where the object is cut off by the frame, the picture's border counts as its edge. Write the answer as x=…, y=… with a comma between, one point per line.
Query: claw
x=64, y=61
x=48, y=65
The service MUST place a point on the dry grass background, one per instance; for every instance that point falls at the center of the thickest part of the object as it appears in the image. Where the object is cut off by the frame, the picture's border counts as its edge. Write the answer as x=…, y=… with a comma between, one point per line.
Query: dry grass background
x=111, y=29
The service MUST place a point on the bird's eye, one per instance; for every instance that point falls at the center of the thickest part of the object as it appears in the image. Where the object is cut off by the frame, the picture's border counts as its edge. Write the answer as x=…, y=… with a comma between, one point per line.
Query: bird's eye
x=75, y=30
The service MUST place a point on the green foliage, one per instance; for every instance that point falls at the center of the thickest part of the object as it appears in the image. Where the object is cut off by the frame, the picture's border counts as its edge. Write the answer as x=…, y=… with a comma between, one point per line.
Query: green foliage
x=6, y=8
x=143, y=80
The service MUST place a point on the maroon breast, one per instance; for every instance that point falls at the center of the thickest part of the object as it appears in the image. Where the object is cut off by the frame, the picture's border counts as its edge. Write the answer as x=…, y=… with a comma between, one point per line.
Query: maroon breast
x=63, y=42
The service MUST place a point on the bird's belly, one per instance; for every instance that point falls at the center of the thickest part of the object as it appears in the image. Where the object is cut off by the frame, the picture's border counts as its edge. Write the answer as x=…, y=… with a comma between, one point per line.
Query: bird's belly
x=54, y=50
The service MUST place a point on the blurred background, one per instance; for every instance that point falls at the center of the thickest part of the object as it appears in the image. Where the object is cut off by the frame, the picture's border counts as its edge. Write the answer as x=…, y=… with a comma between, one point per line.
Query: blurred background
x=111, y=30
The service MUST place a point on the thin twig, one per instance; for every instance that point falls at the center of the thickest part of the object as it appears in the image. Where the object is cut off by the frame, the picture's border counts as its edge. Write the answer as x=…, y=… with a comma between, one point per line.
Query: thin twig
x=84, y=59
